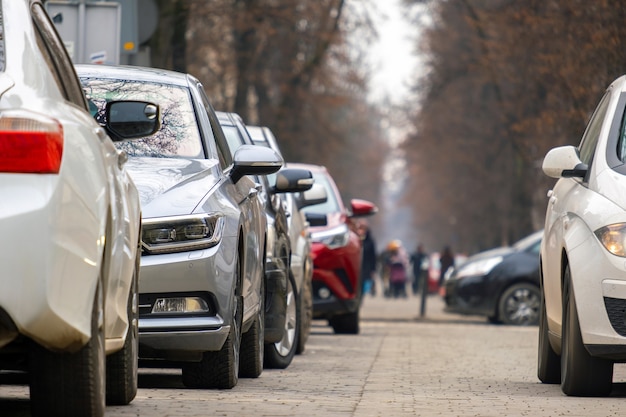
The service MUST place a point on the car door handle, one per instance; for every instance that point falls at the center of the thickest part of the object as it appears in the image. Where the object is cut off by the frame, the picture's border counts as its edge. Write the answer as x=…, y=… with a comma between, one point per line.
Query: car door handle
x=253, y=192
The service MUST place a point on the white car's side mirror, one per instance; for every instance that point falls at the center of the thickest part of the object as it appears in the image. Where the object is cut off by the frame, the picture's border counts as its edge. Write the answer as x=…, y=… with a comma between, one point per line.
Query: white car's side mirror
x=564, y=162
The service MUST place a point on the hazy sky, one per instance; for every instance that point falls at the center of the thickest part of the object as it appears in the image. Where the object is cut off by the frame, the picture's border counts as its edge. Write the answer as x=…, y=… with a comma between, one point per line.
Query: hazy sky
x=392, y=57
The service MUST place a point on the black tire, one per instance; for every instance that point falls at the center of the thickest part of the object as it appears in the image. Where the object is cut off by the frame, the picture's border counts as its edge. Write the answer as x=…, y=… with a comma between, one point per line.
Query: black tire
x=548, y=362
x=71, y=384
x=582, y=375
x=306, y=314
x=122, y=367
x=280, y=354
x=345, y=323
x=220, y=369
x=253, y=343
x=519, y=305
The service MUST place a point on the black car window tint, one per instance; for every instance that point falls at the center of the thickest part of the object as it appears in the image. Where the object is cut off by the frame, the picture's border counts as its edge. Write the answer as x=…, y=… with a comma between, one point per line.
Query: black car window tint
x=57, y=58
x=223, y=151
x=592, y=133
x=621, y=141
x=178, y=135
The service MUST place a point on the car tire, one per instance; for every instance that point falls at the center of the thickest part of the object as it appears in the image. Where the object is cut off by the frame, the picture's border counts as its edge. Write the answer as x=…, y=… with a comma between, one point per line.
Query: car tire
x=280, y=354
x=252, y=343
x=582, y=375
x=519, y=305
x=71, y=384
x=122, y=366
x=548, y=362
x=345, y=323
x=306, y=314
x=220, y=369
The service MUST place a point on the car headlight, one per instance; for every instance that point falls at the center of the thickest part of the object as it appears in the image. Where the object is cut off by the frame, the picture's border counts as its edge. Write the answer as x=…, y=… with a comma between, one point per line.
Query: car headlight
x=613, y=238
x=181, y=233
x=334, y=238
x=479, y=267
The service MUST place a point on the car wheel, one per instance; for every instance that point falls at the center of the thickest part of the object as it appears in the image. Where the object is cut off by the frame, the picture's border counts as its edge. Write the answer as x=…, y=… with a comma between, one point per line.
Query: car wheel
x=519, y=305
x=581, y=374
x=252, y=343
x=345, y=323
x=548, y=362
x=306, y=314
x=122, y=366
x=71, y=384
x=280, y=354
x=220, y=369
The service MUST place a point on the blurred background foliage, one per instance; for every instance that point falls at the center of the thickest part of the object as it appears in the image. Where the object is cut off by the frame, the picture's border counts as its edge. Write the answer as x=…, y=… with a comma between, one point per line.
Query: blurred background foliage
x=505, y=81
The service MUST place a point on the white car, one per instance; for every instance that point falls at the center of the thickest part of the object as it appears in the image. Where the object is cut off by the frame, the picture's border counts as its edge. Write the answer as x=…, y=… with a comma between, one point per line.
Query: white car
x=583, y=255
x=70, y=218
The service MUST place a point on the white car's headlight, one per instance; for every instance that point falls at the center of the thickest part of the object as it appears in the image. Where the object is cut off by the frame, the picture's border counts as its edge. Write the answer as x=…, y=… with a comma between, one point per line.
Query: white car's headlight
x=181, y=233
x=477, y=268
x=613, y=238
x=334, y=238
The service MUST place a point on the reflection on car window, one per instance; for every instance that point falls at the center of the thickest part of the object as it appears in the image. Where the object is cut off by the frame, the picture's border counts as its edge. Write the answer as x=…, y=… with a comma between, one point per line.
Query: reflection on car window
x=178, y=135
x=232, y=137
x=331, y=205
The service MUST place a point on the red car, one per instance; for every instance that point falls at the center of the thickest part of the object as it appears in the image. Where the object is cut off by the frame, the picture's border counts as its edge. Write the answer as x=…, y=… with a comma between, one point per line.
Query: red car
x=336, y=251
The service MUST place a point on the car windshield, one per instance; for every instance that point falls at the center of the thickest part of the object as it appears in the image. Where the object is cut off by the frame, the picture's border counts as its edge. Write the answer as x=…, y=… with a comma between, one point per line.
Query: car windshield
x=331, y=205
x=178, y=135
x=530, y=243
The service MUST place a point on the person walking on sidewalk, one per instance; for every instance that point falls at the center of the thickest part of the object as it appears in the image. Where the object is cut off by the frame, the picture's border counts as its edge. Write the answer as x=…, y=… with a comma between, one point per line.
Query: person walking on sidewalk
x=397, y=265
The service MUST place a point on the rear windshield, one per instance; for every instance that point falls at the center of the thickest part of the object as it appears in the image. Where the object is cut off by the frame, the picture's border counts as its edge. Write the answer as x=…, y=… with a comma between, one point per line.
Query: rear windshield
x=178, y=135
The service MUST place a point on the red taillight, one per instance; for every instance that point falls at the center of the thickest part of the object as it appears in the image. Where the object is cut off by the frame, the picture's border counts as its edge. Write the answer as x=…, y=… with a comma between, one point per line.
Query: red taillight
x=30, y=143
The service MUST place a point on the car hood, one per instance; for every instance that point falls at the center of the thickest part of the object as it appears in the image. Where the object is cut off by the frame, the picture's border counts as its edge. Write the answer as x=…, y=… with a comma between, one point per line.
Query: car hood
x=172, y=186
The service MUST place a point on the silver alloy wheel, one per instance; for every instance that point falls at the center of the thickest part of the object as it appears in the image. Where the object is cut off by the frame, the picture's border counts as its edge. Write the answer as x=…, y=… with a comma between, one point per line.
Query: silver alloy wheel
x=285, y=345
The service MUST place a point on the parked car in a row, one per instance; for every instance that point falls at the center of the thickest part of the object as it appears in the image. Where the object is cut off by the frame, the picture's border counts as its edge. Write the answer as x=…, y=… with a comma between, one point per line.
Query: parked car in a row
x=70, y=217
x=201, y=295
x=501, y=284
x=283, y=318
x=582, y=330
x=300, y=262
x=337, y=252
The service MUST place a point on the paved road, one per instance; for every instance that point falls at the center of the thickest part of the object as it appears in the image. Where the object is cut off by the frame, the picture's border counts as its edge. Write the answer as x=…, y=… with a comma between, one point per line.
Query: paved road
x=400, y=365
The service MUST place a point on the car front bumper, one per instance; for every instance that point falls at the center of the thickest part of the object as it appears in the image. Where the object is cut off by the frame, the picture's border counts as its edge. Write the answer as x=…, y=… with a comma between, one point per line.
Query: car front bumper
x=204, y=273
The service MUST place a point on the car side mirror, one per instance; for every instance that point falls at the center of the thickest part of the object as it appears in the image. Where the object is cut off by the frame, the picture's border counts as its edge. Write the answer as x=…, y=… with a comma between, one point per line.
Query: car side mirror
x=131, y=119
x=315, y=195
x=362, y=208
x=254, y=160
x=293, y=180
x=564, y=162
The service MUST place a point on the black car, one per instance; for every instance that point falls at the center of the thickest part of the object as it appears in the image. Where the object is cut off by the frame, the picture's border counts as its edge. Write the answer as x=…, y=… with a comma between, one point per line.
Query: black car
x=501, y=284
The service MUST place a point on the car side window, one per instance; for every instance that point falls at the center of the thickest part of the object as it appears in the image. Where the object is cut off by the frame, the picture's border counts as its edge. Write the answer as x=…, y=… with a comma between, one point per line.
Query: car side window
x=592, y=133
x=223, y=152
x=621, y=141
x=56, y=57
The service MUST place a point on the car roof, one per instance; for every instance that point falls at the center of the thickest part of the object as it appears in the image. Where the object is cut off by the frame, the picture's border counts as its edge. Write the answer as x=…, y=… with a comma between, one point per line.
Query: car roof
x=136, y=73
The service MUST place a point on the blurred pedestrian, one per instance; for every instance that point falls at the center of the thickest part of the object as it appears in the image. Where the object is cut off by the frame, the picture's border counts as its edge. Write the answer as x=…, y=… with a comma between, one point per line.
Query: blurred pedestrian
x=397, y=265
x=446, y=261
x=370, y=260
x=418, y=259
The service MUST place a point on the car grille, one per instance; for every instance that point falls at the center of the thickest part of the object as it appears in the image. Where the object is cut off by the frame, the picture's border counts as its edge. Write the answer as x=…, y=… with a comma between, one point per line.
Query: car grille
x=616, y=310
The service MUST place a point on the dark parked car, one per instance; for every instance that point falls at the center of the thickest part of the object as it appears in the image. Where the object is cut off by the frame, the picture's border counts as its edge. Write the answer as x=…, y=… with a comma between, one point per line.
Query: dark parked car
x=282, y=312
x=501, y=283
x=337, y=252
